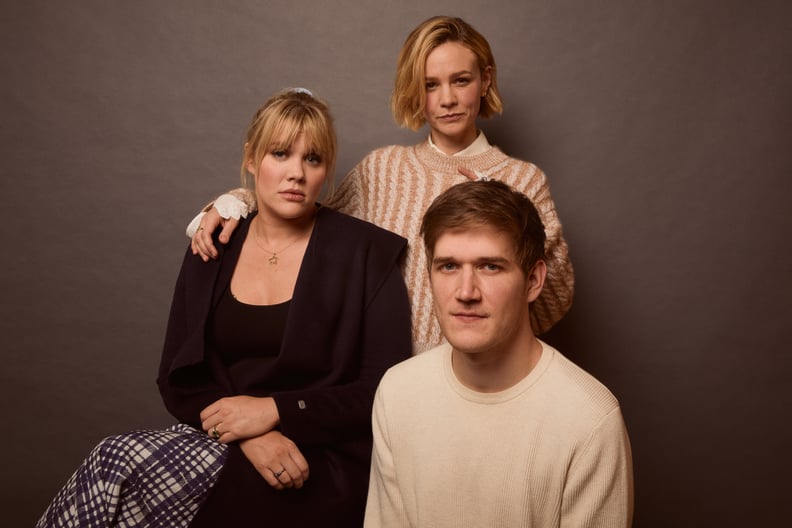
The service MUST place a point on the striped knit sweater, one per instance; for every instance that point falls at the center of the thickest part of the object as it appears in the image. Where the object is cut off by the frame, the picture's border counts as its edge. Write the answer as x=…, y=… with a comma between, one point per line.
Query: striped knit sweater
x=551, y=450
x=393, y=186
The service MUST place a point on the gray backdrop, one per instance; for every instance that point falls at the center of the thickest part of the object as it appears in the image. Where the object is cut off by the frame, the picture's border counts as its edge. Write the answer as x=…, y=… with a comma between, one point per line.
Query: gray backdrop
x=664, y=128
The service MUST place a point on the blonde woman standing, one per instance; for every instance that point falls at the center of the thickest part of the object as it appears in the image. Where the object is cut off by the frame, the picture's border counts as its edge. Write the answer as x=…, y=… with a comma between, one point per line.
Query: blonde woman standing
x=446, y=77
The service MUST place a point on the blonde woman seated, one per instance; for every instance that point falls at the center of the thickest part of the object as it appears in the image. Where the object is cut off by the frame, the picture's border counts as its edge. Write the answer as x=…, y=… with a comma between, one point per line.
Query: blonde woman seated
x=271, y=359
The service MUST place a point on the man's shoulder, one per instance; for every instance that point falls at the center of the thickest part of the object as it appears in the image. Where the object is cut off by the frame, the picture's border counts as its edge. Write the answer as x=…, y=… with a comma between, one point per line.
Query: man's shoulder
x=418, y=369
x=579, y=389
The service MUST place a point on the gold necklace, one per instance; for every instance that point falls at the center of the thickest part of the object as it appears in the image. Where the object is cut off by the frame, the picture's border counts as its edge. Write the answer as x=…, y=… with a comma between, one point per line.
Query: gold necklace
x=273, y=260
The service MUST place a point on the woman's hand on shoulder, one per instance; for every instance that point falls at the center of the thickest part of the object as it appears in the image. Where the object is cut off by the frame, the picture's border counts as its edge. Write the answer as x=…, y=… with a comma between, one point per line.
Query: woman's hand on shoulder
x=239, y=417
x=201, y=243
x=277, y=459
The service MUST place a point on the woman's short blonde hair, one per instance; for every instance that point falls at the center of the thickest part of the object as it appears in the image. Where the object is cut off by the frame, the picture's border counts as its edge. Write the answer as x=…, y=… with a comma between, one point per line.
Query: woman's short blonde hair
x=277, y=124
x=409, y=92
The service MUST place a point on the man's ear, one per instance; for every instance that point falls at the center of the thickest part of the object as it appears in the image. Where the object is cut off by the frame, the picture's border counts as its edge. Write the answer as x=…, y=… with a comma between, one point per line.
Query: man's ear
x=535, y=282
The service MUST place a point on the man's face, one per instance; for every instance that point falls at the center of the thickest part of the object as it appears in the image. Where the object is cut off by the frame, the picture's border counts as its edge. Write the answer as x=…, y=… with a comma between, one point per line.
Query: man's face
x=480, y=293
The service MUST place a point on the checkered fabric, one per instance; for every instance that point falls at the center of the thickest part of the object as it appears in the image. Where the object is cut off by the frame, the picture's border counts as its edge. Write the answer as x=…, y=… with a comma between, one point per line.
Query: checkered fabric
x=142, y=478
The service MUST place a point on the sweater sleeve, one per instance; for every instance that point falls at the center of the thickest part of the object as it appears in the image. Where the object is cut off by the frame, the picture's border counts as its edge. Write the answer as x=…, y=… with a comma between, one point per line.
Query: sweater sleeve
x=246, y=196
x=384, y=506
x=556, y=297
x=349, y=197
x=599, y=487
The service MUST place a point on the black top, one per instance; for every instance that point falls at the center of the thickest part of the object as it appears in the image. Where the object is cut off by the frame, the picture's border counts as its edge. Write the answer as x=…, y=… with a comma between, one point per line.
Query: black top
x=246, y=338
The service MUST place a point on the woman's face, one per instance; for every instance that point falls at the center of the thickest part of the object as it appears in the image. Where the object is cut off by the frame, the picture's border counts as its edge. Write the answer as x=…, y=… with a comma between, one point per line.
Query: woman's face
x=454, y=88
x=289, y=180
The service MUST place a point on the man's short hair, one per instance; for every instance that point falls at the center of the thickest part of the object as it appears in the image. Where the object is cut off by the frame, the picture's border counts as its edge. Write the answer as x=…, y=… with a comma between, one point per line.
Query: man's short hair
x=487, y=203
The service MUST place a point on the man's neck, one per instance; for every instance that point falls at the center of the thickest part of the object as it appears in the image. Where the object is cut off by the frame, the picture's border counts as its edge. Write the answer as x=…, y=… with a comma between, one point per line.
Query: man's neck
x=497, y=370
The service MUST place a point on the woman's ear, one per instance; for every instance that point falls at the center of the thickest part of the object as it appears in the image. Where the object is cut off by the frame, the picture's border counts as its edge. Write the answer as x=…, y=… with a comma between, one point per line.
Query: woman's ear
x=486, y=80
x=248, y=156
x=535, y=281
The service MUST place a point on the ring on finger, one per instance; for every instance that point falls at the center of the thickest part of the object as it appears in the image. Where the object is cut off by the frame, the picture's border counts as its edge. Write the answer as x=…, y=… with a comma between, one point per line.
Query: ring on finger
x=215, y=433
x=279, y=473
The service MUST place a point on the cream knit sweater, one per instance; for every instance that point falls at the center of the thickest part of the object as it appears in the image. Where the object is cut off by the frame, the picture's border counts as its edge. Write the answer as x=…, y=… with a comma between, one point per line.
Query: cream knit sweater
x=393, y=186
x=551, y=451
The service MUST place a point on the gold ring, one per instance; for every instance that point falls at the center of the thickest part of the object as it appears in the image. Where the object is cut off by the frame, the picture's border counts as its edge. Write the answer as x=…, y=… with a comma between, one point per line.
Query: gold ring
x=279, y=473
x=215, y=433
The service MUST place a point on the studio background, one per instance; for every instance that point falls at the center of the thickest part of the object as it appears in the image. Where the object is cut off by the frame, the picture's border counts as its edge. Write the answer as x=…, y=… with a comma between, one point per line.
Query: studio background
x=664, y=128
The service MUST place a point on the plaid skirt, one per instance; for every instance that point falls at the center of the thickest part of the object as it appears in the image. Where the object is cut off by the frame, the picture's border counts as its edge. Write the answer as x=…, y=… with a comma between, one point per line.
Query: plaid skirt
x=142, y=478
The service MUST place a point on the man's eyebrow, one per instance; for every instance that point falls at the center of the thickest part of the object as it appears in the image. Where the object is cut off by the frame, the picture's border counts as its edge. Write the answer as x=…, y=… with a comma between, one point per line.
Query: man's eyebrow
x=501, y=262
x=443, y=260
x=477, y=260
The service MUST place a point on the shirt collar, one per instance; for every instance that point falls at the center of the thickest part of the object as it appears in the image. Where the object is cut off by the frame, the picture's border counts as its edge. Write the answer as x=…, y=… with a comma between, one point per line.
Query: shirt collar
x=479, y=145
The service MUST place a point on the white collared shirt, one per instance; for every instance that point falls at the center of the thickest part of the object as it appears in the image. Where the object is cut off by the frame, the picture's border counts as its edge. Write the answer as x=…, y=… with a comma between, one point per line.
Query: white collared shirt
x=479, y=145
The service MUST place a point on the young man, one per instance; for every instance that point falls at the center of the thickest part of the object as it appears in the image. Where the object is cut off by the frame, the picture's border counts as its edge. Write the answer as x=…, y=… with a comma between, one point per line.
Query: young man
x=494, y=428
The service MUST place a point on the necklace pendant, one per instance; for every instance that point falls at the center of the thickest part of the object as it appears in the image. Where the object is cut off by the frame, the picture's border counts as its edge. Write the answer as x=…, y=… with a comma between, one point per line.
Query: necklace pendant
x=273, y=260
